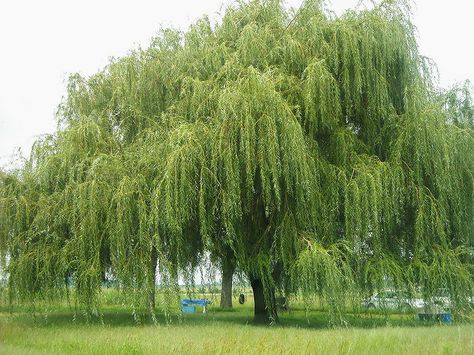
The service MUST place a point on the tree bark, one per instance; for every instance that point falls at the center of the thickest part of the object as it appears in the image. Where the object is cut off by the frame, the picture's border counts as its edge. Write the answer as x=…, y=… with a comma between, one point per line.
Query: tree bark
x=152, y=279
x=228, y=268
x=264, y=311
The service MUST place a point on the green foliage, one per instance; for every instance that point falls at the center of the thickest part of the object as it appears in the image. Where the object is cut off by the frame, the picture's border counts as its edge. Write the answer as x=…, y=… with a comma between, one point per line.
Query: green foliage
x=311, y=148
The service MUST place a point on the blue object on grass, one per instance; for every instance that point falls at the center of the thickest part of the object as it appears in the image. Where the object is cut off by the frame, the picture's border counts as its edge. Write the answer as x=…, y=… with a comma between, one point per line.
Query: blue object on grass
x=189, y=306
x=188, y=309
x=188, y=302
x=445, y=318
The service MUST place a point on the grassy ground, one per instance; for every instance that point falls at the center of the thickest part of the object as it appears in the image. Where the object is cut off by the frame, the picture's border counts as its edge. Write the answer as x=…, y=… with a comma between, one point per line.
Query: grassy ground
x=57, y=331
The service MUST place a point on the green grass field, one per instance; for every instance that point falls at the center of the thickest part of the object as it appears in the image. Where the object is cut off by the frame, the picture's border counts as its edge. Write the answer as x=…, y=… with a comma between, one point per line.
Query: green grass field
x=55, y=330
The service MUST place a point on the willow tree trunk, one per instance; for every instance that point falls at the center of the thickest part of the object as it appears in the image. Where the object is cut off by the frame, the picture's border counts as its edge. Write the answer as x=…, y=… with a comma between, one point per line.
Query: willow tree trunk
x=152, y=279
x=228, y=269
x=264, y=310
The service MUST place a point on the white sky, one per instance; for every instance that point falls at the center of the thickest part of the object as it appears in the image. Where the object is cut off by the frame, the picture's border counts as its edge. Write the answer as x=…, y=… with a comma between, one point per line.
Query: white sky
x=41, y=42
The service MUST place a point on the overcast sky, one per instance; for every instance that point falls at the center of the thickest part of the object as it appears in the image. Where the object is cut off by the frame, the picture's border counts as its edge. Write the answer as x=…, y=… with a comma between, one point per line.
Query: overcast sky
x=41, y=42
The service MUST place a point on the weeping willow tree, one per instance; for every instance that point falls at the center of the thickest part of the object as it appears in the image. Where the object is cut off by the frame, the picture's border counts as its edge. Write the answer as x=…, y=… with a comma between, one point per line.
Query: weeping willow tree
x=311, y=152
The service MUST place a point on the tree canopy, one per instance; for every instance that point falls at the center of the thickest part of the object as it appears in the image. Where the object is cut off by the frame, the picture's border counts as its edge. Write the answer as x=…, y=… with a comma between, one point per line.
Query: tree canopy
x=314, y=150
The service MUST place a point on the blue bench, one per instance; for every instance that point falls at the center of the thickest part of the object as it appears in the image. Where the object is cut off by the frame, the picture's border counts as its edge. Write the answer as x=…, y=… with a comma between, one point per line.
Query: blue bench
x=444, y=318
x=189, y=306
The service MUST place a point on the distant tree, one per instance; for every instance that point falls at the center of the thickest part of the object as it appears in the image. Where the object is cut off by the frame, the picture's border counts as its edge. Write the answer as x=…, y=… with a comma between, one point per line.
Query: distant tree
x=459, y=106
x=227, y=273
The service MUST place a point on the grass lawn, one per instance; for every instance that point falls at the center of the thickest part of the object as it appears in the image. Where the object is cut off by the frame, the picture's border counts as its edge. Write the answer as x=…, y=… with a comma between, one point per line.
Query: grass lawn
x=57, y=331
